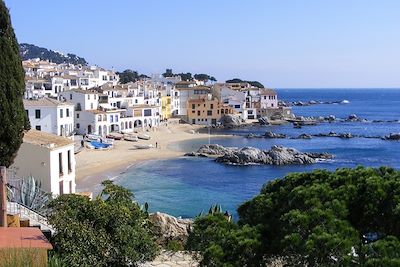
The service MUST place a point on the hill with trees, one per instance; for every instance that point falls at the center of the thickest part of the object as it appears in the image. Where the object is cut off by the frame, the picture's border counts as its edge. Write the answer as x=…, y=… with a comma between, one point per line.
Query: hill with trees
x=30, y=51
x=189, y=77
x=349, y=217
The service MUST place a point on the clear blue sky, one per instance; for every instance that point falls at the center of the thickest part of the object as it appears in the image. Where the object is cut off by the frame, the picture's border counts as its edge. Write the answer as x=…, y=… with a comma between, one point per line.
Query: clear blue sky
x=282, y=43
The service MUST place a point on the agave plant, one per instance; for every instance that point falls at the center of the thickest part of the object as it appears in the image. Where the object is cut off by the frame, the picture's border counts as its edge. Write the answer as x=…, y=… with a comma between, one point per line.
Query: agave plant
x=31, y=195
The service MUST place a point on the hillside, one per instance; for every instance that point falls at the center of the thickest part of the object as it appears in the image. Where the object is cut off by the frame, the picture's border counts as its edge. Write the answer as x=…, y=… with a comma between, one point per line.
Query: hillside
x=30, y=51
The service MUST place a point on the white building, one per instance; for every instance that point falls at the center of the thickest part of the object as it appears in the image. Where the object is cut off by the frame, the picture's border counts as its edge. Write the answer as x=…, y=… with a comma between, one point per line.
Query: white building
x=269, y=98
x=49, y=159
x=50, y=115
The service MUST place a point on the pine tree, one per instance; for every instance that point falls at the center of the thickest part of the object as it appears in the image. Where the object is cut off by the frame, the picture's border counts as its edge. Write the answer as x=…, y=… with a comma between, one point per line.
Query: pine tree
x=13, y=119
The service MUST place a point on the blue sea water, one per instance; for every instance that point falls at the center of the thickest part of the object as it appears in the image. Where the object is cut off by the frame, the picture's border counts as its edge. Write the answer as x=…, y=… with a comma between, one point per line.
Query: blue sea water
x=186, y=186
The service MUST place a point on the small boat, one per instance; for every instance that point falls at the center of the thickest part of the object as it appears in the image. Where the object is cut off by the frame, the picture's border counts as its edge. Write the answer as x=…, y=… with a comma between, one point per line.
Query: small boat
x=144, y=136
x=99, y=145
x=131, y=138
x=115, y=136
x=108, y=141
x=91, y=137
x=143, y=146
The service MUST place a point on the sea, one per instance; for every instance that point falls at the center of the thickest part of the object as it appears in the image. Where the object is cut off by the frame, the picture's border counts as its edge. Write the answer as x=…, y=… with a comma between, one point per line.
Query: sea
x=188, y=186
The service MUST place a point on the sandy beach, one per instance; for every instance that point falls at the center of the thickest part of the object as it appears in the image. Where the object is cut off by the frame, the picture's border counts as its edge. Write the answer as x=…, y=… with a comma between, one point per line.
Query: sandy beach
x=94, y=166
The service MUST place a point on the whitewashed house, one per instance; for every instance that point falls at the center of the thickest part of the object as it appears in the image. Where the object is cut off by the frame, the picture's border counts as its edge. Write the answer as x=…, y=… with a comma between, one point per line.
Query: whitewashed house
x=49, y=159
x=268, y=98
x=50, y=115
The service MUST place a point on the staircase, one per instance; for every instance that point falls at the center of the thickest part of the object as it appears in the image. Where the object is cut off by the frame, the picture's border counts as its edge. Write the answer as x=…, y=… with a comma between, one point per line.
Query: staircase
x=35, y=219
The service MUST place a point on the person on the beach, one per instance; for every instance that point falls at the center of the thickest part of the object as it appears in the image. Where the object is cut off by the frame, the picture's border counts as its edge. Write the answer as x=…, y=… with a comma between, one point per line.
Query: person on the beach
x=156, y=144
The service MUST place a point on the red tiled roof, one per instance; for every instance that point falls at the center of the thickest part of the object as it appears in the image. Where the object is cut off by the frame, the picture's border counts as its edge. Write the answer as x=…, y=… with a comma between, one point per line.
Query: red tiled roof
x=23, y=237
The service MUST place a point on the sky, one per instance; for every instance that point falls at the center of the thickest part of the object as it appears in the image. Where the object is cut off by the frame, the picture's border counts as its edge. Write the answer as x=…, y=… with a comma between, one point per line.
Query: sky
x=281, y=43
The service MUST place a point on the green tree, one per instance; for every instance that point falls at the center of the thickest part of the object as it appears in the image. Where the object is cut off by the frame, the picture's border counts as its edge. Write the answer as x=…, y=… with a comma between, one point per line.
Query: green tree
x=128, y=76
x=12, y=85
x=111, y=230
x=341, y=218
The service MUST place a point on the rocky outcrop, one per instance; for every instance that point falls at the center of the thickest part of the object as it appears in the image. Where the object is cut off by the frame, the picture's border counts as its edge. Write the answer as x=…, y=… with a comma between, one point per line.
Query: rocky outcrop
x=231, y=120
x=392, y=136
x=264, y=121
x=304, y=136
x=167, y=227
x=278, y=155
x=274, y=135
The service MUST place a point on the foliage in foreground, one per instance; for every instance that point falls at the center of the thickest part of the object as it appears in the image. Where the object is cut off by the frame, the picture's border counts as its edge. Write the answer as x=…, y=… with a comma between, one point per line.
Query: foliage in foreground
x=13, y=118
x=110, y=230
x=349, y=217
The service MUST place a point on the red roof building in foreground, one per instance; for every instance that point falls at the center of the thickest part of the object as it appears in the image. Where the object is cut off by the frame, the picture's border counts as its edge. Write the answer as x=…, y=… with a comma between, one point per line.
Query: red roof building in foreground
x=22, y=246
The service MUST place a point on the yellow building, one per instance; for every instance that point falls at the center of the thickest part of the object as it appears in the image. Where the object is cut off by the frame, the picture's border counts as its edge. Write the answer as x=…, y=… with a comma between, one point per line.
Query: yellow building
x=166, y=112
x=207, y=112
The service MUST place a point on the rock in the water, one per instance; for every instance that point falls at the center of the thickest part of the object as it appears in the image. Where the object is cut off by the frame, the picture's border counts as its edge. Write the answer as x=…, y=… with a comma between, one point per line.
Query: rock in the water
x=231, y=120
x=274, y=135
x=346, y=135
x=278, y=155
x=352, y=117
x=331, y=118
x=167, y=227
x=214, y=149
x=392, y=136
x=304, y=136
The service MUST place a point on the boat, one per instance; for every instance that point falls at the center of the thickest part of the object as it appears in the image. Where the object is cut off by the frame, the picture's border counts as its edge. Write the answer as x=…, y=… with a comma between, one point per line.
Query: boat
x=144, y=136
x=131, y=138
x=143, y=146
x=115, y=136
x=99, y=145
x=108, y=141
x=92, y=137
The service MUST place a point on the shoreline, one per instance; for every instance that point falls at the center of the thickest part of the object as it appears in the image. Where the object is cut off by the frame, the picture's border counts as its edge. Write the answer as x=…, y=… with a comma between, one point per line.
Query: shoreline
x=93, y=167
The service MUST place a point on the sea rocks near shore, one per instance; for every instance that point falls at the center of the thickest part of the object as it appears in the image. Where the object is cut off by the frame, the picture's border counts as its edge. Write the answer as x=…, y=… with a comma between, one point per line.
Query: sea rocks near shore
x=232, y=120
x=392, y=136
x=277, y=155
x=311, y=102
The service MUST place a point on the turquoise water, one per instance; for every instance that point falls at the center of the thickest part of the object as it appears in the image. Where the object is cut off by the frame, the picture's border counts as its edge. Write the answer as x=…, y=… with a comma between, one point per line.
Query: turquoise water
x=186, y=186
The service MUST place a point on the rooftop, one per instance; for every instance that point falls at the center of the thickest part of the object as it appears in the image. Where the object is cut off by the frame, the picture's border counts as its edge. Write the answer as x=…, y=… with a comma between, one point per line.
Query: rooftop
x=23, y=237
x=45, y=102
x=48, y=140
x=267, y=91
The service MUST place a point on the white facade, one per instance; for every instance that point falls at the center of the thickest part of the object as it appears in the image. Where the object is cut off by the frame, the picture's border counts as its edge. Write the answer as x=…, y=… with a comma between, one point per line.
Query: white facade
x=50, y=116
x=49, y=159
x=269, y=99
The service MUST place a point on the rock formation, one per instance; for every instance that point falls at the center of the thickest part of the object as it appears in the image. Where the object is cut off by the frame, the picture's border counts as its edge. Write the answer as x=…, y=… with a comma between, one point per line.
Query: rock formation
x=231, y=120
x=278, y=155
x=167, y=227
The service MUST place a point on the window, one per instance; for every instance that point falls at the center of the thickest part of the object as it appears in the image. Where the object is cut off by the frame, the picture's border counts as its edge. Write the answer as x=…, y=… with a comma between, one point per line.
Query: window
x=111, y=118
x=61, y=187
x=78, y=126
x=193, y=106
x=38, y=127
x=91, y=105
x=237, y=106
x=265, y=97
x=60, y=166
x=88, y=96
x=222, y=111
x=198, y=113
x=37, y=113
x=77, y=115
x=27, y=112
x=211, y=106
x=116, y=118
x=67, y=111
x=69, y=162
x=193, y=121
x=70, y=96
x=61, y=113
x=209, y=112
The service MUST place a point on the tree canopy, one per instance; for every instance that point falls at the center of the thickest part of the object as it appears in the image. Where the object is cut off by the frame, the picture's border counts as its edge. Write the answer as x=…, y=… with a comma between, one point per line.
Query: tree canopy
x=348, y=217
x=252, y=83
x=110, y=230
x=12, y=86
x=128, y=76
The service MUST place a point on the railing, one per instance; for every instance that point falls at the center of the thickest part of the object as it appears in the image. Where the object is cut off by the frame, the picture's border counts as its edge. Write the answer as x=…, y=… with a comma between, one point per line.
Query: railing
x=34, y=217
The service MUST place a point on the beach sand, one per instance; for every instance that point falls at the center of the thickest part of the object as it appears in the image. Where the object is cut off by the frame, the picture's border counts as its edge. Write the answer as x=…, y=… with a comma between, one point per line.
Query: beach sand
x=94, y=166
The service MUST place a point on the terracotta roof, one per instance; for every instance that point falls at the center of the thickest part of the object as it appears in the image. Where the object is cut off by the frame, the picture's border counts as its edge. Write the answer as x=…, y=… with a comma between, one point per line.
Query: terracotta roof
x=96, y=111
x=45, y=102
x=23, y=237
x=84, y=91
x=48, y=140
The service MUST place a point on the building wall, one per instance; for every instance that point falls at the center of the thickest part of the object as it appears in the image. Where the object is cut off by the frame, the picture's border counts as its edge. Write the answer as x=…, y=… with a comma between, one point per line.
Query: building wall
x=166, y=107
x=34, y=160
x=68, y=176
x=207, y=112
x=269, y=101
